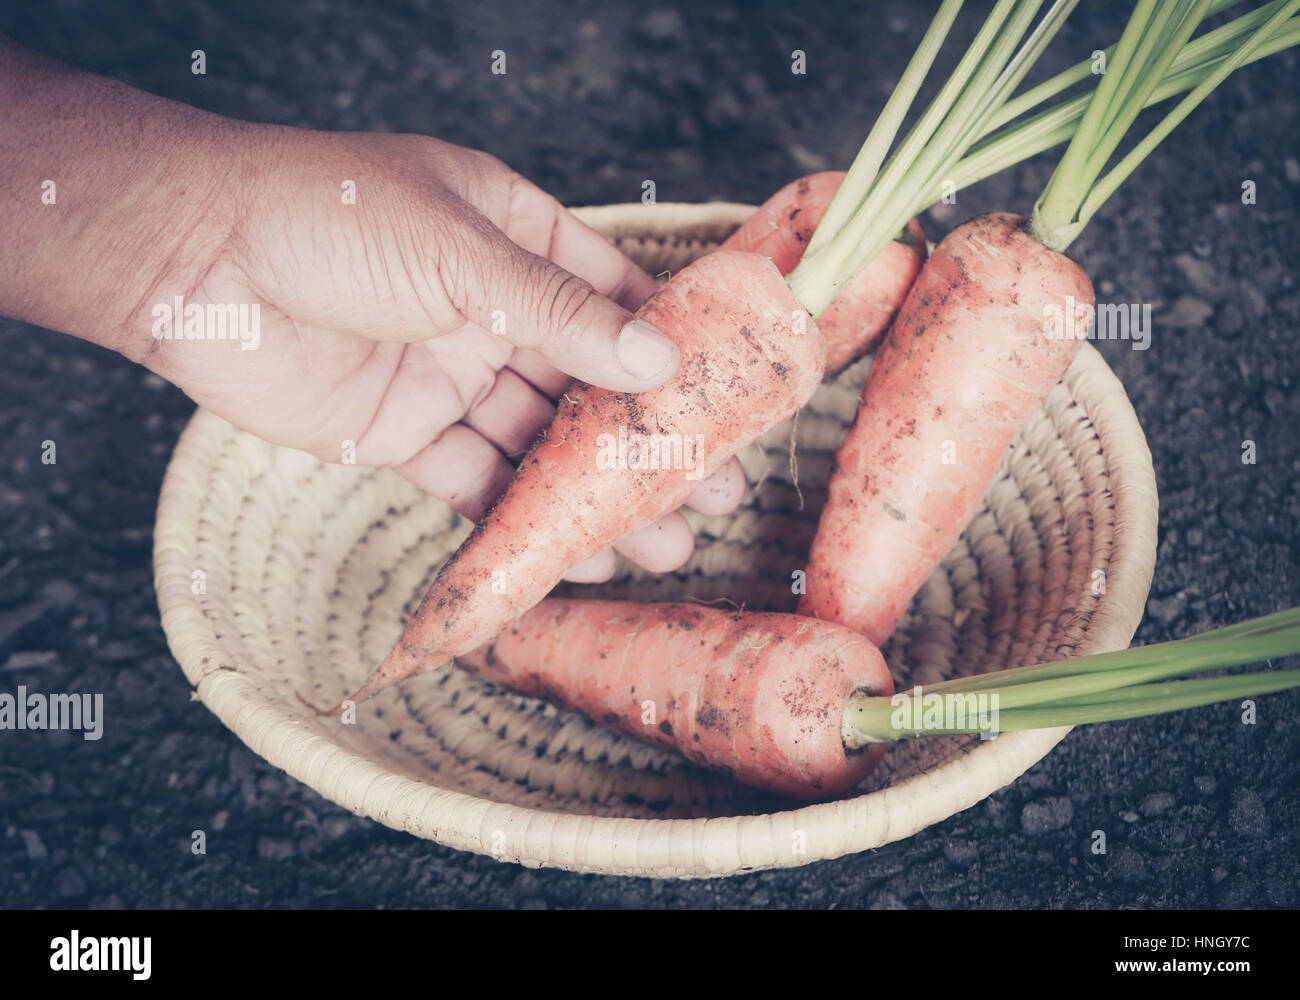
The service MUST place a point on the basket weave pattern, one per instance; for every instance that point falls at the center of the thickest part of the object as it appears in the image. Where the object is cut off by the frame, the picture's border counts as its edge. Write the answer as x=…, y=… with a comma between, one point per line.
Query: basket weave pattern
x=305, y=573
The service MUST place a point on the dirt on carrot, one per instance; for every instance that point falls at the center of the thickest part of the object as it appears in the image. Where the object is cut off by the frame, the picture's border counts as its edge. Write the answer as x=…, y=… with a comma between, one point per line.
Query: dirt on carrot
x=971, y=355
x=613, y=462
x=760, y=696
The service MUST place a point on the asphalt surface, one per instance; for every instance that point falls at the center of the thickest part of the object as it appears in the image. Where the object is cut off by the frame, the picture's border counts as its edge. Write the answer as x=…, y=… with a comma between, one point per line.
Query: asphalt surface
x=1199, y=809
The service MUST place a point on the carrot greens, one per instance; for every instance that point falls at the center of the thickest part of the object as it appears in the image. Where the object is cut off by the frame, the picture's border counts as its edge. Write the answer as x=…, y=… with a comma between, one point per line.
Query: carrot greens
x=1125, y=684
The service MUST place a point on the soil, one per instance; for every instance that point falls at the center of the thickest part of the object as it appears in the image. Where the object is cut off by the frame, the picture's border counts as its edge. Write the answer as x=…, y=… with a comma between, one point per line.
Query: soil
x=1197, y=809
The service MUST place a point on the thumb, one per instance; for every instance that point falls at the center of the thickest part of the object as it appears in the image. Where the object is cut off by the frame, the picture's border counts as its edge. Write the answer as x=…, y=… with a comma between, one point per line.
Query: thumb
x=534, y=303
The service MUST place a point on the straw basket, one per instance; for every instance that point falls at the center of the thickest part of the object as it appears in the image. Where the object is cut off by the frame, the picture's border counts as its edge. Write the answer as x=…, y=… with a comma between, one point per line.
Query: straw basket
x=305, y=573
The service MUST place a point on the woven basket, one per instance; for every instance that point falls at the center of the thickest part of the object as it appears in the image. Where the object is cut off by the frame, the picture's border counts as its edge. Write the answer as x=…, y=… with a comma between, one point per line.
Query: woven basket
x=305, y=572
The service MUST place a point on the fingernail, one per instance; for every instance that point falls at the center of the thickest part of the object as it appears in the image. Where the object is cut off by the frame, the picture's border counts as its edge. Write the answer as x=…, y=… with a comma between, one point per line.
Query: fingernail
x=644, y=350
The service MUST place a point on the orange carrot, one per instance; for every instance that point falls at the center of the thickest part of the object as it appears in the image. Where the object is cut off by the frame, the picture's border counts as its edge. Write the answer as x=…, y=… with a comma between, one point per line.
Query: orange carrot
x=761, y=696
x=745, y=367
x=992, y=322
x=858, y=316
x=968, y=359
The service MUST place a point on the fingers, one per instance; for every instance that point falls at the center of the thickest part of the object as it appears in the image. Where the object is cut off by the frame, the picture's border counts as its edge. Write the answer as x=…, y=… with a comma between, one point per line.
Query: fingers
x=534, y=303
x=722, y=492
x=661, y=546
x=463, y=468
x=597, y=569
x=511, y=415
x=539, y=223
x=540, y=373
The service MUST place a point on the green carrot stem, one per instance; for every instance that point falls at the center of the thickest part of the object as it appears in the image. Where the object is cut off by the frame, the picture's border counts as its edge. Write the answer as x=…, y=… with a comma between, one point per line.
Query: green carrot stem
x=1107, y=185
x=1045, y=91
x=1076, y=189
x=912, y=169
x=1169, y=29
x=1204, y=51
x=813, y=280
x=1122, y=684
x=1066, y=188
x=1228, y=646
x=1056, y=125
x=1161, y=692
x=863, y=223
x=1189, y=659
x=866, y=165
x=868, y=720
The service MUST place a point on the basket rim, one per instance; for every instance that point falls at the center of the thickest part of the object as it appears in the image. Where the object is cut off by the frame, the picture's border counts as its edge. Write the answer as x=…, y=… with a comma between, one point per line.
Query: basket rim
x=681, y=848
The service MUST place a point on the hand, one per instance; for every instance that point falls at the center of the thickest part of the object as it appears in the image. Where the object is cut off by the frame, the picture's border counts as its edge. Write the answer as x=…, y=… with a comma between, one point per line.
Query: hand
x=376, y=340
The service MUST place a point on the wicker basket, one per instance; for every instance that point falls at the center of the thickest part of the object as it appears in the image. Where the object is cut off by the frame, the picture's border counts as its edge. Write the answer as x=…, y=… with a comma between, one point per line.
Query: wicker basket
x=278, y=575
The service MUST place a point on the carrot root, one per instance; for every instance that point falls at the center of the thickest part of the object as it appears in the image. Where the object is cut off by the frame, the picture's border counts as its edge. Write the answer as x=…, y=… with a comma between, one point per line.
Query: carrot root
x=750, y=358
x=759, y=696
x=970, y=356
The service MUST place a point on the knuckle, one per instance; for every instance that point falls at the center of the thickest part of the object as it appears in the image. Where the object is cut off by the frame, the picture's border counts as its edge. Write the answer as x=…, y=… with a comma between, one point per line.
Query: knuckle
x=455, y=250
x=564, y=302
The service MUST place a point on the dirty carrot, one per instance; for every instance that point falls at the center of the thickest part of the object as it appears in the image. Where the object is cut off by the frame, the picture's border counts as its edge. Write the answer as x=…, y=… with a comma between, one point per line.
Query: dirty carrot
x=759, y=696
x=991, y=324
x=858, y=317
x=805, y=708
x=750, y=357
x=612, y=462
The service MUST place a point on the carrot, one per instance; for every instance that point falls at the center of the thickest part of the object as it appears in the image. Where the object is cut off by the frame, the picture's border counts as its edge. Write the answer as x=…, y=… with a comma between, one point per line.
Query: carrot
x=995, y=318
x=966, y=362
x=750, y=358
x=858, y=317
x=806, y=708
x=758, y=695
x=968, y=133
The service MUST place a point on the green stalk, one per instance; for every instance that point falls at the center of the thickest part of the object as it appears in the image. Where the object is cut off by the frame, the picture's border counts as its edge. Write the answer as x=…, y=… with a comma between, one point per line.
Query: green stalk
x=1123, y=684
x=968, y=129
x=812, y=281
x=1076, y=189
x=1142, y=76
x=1066, y=188
x=1212, y=689
x=864, y=724
x=1108, y=185
x=1081, y=71
x=960, y=139
x=1163, y=38
x=1056, y=125
x=1209, y=651
x=866, y=165
x=863, y=224
x=908, y=174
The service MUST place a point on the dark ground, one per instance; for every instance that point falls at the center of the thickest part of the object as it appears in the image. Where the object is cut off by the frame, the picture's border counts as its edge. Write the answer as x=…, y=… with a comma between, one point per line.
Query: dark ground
x=1199, y=809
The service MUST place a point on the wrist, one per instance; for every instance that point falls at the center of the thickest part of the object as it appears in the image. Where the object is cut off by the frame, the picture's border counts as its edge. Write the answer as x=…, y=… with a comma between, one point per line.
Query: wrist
x=118, y=199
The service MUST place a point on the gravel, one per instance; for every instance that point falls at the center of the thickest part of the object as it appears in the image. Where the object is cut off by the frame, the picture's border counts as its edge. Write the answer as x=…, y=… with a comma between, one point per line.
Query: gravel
x=700, y=98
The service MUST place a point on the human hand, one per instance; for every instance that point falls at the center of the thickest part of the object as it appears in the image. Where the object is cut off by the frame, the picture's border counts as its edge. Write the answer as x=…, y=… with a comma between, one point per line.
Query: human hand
x=377, y=313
